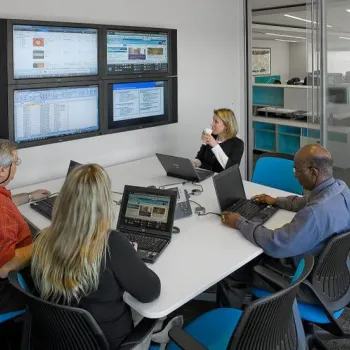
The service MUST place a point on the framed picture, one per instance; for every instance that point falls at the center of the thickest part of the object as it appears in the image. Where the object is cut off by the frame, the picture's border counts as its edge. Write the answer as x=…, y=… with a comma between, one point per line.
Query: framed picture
x=261, y=61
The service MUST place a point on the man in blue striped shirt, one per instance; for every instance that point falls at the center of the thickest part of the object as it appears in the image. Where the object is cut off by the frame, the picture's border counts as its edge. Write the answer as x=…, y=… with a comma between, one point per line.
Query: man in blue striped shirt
x=320, y=215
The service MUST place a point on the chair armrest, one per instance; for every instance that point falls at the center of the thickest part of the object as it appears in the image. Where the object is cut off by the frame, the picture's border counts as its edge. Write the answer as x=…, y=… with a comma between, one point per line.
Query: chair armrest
x=138, y=334
x=271, y=277
x=277, y=266
x=184, y=340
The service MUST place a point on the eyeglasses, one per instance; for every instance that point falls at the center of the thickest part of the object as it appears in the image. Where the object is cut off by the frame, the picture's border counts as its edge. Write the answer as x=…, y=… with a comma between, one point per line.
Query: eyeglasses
x=295, y=170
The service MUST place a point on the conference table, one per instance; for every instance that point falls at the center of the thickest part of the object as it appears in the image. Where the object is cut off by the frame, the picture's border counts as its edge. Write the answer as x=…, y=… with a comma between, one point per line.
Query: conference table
x=202, y=254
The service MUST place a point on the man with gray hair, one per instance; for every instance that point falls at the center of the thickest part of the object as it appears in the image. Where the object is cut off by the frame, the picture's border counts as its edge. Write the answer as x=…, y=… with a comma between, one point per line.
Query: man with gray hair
x=15, y=236
x=320, y=215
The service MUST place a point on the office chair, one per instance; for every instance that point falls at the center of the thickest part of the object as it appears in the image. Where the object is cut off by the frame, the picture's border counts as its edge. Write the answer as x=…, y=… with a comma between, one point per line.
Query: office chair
x=265, y=324
x=11, y=325
x=276, y=170
x=10, y=315
x=329, y=285
x=57, y=327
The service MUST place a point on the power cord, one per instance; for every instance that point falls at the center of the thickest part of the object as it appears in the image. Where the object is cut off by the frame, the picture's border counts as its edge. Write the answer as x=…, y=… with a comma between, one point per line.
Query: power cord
x=190, y=200
x=210, y=213
x=196, y=191
x=116, y=192
x=200, y=210
x=176, y=183
x=117, y=202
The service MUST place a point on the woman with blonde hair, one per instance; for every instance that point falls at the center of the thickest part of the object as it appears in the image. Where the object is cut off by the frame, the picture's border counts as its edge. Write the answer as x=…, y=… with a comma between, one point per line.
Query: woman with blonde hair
x=79, y=261
x=222, y=148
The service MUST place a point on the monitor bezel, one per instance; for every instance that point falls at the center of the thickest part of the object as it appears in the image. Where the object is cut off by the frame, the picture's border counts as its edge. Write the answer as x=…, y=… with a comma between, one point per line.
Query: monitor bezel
x=172, y=51
x=10, y=48
x=56, y=139
x=150, y=191
x=172, y=107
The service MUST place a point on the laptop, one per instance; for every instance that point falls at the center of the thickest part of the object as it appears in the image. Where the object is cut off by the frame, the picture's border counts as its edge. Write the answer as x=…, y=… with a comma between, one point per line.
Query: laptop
x=33, y=229
x=182, y=168
x=146, y=217
x=44, y=206
x=231, y=197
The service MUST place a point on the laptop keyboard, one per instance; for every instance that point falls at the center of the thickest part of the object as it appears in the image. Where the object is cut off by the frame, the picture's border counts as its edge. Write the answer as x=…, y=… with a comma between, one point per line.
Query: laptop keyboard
x=203, y=174
x=251, y=210
x=44, y=207
x=148, y=243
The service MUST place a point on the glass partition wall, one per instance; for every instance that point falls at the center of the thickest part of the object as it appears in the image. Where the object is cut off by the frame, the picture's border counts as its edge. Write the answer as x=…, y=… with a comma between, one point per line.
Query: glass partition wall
x=299, y=80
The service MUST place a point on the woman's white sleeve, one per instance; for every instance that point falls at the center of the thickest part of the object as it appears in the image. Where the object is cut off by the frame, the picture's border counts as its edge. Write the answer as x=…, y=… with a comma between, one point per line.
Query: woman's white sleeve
x=220, y=155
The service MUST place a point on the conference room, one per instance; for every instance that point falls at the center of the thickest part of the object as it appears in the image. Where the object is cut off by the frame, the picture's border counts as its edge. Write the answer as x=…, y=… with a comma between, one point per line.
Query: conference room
x=157, y=125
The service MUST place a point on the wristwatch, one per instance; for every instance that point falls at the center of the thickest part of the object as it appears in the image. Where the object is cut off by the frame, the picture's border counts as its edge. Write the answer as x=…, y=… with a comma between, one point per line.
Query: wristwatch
x=30, y=197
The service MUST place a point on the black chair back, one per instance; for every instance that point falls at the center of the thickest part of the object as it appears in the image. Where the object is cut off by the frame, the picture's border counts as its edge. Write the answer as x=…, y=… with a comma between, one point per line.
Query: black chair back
x=269, y=323
x=58, y=327
x=330, y=278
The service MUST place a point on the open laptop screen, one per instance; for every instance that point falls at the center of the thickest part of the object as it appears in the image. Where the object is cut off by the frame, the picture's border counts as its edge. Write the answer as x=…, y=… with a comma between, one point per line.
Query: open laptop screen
x=229, y=187
x=147, y=209
x=72, y=165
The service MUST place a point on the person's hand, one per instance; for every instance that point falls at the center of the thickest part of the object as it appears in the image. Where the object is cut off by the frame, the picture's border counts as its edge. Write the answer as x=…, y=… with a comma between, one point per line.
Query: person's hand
x=40, y=194
x=194, y=164
x=230, y=219
x=264, y=198
x=135, y=245
x=209, y=140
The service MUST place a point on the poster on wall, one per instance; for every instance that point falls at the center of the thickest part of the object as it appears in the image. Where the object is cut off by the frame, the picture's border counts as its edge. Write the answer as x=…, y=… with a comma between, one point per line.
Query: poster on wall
x=261, y=61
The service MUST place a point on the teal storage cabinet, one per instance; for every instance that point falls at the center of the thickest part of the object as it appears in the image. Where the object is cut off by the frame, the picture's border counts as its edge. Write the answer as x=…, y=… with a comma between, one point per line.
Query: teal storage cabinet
x=288, y=139
x=265, y=137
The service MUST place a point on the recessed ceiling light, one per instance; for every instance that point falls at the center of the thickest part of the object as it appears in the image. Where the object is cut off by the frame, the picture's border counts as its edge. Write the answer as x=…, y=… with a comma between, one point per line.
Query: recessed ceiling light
x=289, y=41
x=303, y=19
x=286, y=36
x=344, y=37
x=348, y=10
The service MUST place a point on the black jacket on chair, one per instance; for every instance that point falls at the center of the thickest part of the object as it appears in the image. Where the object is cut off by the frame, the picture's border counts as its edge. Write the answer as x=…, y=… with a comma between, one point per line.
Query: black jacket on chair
x=233, y=148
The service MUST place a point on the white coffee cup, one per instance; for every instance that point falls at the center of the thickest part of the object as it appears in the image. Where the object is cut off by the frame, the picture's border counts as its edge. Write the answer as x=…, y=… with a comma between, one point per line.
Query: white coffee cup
x=207, y=131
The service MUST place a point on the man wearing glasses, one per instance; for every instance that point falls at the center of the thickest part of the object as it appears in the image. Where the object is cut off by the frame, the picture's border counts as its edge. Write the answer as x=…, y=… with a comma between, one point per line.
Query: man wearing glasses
x=15, y=236
x=320, y=215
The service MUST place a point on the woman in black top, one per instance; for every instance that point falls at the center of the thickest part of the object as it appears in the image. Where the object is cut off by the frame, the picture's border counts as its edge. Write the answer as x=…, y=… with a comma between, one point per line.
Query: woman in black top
x=222, y=148
x=79, y=261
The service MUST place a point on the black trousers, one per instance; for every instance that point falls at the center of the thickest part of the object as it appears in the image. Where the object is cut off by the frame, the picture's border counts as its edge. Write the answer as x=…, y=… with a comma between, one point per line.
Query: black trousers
x=232, y=289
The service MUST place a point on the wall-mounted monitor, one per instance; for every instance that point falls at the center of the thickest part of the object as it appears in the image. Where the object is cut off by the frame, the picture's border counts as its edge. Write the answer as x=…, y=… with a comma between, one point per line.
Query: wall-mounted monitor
x=51, y=114
x=52, y=51
x=140, y=52
x=141, y=103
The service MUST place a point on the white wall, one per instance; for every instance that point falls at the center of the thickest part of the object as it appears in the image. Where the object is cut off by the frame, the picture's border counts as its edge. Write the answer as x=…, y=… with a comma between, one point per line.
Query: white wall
x=210, y=70
x=279, y=56
x=298, y=60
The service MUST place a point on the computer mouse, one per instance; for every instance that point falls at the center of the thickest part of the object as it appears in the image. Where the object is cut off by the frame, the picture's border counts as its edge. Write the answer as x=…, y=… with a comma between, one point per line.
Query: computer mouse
x=151, y=186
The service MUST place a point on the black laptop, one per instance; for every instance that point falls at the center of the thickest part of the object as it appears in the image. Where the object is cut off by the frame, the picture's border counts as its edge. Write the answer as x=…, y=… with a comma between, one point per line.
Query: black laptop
x=182, y=168
x=231, y=197
x=44, y=206
x=146, y=217
x=33, y=229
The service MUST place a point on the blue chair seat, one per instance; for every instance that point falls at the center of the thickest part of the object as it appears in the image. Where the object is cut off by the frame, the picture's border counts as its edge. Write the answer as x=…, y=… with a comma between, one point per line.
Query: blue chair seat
x=9, y=315
x=213, y=329
x=308, y=312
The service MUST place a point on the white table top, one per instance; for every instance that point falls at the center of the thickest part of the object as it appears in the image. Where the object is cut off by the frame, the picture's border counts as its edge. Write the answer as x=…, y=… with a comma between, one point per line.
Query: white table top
x=203, y=253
